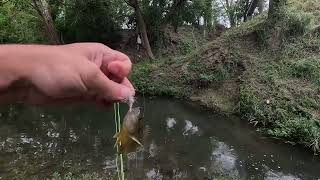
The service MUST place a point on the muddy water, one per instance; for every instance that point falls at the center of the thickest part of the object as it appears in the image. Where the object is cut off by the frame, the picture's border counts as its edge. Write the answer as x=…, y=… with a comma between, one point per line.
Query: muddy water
x=181, y=141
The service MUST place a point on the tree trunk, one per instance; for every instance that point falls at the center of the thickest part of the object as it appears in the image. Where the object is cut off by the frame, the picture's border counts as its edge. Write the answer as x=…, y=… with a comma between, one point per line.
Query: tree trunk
x=246, y=7
x=260, y=6
x=230, y=13
x=173, y=12
x=275, y=14
x=252, y=7
x=232, y=19
x=275, y=8
x=142, y=27
x=43, y=10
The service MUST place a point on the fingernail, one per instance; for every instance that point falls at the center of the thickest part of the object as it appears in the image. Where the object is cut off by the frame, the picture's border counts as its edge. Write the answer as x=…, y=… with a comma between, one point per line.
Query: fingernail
x=125, y=93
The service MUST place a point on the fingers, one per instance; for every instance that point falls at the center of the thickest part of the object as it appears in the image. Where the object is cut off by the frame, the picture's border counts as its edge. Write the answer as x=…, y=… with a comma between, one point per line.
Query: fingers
x=128, y=84
x=110, y=90
x=120, y=69
x=111, y=83
x=116, y=64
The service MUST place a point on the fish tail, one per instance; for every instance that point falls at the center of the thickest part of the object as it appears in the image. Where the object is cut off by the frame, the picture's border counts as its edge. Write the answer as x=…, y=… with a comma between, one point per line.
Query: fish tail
x=136, y=140
x=116, y=135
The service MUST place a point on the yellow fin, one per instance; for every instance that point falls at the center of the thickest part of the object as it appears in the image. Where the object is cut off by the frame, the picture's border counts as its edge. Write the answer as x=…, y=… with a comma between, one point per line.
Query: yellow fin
x=116, y=135
x=118, y=141
x=136, y=140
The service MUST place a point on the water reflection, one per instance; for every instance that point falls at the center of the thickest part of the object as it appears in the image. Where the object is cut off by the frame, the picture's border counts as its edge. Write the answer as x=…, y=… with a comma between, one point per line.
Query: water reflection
x=224, y=160
x=279, y=175
x=190, y=129
x=171, y=122
x=153, y=149
x=154, y=174
x=180, y=142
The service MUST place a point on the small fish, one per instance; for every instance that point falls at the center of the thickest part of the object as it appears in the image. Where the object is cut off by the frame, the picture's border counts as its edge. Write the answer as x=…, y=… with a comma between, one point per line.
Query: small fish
x=127, y=138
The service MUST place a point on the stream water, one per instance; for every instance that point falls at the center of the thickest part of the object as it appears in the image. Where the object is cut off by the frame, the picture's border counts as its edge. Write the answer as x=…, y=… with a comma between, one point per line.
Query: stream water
x=181, y=141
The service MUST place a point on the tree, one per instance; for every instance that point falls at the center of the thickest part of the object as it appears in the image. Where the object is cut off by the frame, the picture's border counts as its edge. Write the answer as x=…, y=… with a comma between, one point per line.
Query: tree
x=253, y=5
x=43, y=9
x=174, y=12
x=208, y=14
x=19, y=23
x=261, y=6
x=276, y=8
x=236, y=10
x=276, y=17
x=90, y=21
x=141, y=25
x=230, y=7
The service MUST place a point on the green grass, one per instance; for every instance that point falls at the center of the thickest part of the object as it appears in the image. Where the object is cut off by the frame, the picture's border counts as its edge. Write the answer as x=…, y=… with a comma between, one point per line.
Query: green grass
x=157, y=78
x=308, y=69
x=280, y=95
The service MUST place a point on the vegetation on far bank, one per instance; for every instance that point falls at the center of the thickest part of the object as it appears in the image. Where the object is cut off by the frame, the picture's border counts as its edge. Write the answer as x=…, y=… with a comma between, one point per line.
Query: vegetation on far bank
x=275, y=88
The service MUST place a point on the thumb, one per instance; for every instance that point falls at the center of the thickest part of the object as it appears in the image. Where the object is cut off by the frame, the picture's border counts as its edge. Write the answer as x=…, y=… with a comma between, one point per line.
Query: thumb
x=108, y=89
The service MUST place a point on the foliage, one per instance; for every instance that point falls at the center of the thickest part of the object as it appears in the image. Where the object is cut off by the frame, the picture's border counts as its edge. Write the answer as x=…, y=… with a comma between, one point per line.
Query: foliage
x=142, y=77
x=100, y=20
x=96, y=21
x=18, y=24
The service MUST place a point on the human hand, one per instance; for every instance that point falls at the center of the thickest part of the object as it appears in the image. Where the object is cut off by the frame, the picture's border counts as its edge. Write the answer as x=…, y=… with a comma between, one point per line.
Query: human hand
x=72, y=73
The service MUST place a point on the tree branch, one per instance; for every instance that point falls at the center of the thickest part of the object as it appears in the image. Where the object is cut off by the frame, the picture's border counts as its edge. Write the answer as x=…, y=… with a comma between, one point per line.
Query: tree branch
x=173, y=10
x=252, y=7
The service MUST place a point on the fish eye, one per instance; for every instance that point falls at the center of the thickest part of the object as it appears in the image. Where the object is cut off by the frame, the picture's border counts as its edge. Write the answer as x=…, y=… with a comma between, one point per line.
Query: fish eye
x=137, y=110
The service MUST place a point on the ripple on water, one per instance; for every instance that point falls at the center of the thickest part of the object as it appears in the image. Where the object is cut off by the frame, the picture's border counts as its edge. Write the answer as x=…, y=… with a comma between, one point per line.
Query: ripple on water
x=171, y=122
x=154, y=174
x=190, y=129
x=224, y=160
x=270, y=175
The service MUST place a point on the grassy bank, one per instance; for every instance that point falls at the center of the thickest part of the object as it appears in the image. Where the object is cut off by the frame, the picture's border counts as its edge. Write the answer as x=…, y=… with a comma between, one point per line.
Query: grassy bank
x=276, y=89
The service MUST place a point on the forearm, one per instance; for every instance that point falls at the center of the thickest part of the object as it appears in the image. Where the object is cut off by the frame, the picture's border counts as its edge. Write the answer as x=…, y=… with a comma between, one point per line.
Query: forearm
x=17, y=62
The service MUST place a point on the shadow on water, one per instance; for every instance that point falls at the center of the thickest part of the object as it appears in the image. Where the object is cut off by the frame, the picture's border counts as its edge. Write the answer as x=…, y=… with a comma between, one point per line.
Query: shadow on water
x=180, y=142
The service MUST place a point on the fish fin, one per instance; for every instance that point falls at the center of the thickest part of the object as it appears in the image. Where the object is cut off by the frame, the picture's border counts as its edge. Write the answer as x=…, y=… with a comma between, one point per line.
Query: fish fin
x=136, y=140
x=116, y=135
x=118, y=140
